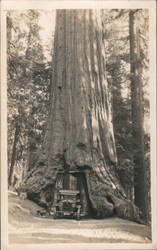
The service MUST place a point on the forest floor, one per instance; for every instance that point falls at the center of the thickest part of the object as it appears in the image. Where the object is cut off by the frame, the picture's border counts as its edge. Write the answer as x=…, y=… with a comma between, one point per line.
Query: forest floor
x=26, y=227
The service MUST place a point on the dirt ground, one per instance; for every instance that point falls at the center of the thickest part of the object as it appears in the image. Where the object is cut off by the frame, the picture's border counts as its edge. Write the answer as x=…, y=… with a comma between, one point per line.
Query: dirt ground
x=26, y=227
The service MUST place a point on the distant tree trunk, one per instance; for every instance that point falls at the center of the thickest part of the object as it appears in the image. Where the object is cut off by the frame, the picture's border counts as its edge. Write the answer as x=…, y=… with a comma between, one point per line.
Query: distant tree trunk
x=13, y=157
x=137, y=117
x=9, y=36
x=79, y=132
x=28, y=163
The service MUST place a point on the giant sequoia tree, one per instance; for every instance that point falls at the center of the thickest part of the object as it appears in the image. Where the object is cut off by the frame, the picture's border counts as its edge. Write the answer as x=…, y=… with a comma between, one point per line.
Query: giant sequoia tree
x=79, y=136
x=141, y=196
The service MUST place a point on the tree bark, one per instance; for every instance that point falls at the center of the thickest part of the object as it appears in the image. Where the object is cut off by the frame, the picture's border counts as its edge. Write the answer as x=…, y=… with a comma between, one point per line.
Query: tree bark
x=13, y=157
x=137, y=117
x=79, y=133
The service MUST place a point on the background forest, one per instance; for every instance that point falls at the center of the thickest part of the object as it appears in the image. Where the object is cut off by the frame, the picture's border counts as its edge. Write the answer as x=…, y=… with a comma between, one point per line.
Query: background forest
x=30, y=48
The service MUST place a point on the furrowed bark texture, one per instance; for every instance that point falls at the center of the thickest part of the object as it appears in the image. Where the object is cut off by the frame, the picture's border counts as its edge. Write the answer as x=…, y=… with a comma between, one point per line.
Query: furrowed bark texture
x=141, y=199
x=79, y=132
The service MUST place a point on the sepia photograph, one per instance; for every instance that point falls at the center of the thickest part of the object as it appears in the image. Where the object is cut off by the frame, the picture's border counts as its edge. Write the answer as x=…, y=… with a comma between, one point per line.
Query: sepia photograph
x=79, y=161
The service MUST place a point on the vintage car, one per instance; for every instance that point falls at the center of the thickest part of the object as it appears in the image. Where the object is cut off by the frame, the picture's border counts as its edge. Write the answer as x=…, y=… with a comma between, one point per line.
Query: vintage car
x=67, y=204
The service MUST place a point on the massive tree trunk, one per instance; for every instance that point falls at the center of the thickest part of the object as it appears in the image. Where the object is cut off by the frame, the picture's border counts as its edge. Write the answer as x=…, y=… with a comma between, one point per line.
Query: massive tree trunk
x=137, y=116
x=79, y=134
